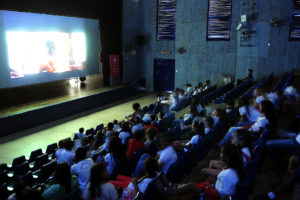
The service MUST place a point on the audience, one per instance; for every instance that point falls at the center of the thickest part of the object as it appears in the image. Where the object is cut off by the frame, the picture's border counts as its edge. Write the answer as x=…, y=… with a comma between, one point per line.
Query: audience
x=67, y=155
x=80, y=134
x=135, y=144
x=63, y=184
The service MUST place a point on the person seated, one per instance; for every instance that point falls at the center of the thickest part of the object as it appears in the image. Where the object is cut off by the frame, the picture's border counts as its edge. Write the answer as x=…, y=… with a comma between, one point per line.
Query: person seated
x=116, y=125
x=188, y=89
x=248, y=113
x=206, y=85
x=259, y=96
x=108, y=132
x=137, y=113
x=80, y=134
x=225, y=178
x=98, y=187
x=149, y=122
x=167, y=155
x=67, y=155
x=200, y=87
x=81, y=167
x=125, y=133
x=250, y=76
x=63, y=185
x=209, y=123
x=267, y=110
x=218, y=115
x=291, y=93
x=23, y=191
x=198, y=131
x=229, y=107
x=61, y=147
x=135, y=144
x=116, y=155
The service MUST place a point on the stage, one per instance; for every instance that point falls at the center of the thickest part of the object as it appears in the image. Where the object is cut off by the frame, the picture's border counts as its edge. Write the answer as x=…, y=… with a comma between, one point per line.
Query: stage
x=26, y=107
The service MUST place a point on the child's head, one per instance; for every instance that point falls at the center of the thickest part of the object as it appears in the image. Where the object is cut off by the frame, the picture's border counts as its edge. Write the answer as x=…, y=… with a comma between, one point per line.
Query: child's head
x=80, y=154
x=151, y=133
x=207, y=82
x=209, y=122
x=136, y=106
x=198, y=128
x=239, y=138
x=230, y=105
x=126, y=127
x=243, y=102
x=267, y=108
x=81, y=130
x=110, y=126
x=115, y=122
x=151, y=166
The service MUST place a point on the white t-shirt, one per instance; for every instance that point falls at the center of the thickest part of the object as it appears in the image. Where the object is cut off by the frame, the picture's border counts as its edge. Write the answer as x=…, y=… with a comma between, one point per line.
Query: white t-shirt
x=246, y=155
x=67, y=156
x=216, y=119
x=124, y=136
x=252, y=113
x=291, y=92
x=82, y=171
x=167, y=157
x=226, y=182
x=143, y=185
x=80, y=135
x=259, y=99
x=117, y=127
x=207, y=130
x=108, y=192
x=109, y=160
x=261, y=122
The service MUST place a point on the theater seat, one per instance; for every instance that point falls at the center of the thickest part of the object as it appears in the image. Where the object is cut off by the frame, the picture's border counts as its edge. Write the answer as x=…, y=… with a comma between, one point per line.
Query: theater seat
x=45, y=172
x=39, y=162
x=17, y=161
x=34, y=154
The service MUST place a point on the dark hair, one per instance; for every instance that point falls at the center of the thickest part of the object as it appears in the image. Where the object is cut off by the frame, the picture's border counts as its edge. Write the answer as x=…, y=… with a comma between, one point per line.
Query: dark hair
x=232, y=156
x=198, y=128
x=80, y=154
x=267, y=108
x=151, y=132
x=153, y=117
x=136, y=106
x=110, y=126
x=207, y=82
x=97, y=178
x=115, y=121
x=250, y=70
x=209, y=121
x=230, y=103
x=62, y=144
x=243, y=102
x=151, y=166
x=221, y=113
x=243, y=136
x=117, y=149
x=69, y=145
x=81, y=130
x=138, y=135
x=126, y=127
x=63, y=177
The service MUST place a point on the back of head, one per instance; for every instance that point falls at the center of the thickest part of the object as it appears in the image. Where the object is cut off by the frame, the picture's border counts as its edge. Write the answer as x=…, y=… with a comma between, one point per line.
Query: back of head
x=243, y=102
x=80, y=154
x=151, y=166
x=126, y=127
x=62, y=144
x=69, y=145
x=136, y=106
x=267, y=108
x=117, y=149
x=139, y=135
x=81, y=130
x=110, y=126
x=232, y=156
x=240, y=138
x=151, y=133
x=165, y=141
x=63, y=176
x=198, y=128
x=98, y=176
x=209, y=121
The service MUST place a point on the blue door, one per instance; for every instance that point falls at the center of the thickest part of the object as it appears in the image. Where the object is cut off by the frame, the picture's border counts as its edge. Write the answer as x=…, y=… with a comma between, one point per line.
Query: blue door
x=164, y=74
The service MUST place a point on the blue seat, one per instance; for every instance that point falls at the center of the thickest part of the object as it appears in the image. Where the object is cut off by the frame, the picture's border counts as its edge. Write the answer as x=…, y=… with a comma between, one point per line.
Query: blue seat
x=34, y=154
x=17, y=161
x=175, y=172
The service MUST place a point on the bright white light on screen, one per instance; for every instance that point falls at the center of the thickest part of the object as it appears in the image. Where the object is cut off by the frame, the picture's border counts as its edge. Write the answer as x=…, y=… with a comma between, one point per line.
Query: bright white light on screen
x=52, y=52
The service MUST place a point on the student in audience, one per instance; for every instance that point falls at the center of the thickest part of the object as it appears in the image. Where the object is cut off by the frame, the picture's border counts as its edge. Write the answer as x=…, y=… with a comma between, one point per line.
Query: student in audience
x=219, y=115
x=188, y=89
x=61, y=147
x=230, y=174
x=149, y=121
x=248, y=114
x=109, y=131
x=137, y=112
x=200, y=87
x=135, y=144
x=98, y=188
x=80, y=134
x=229, y=106
x=138, y=125
x=291, y=93
x=63, y=184
x=116, y=155
x=116, y=126
x=67, y=155
x=206, y=85
x=209, y=123
x=259, y=96
x=125, y=133
x=250, y=76
x=267, y=110
x=82, y=167
x=167, y=155
x=198, y=132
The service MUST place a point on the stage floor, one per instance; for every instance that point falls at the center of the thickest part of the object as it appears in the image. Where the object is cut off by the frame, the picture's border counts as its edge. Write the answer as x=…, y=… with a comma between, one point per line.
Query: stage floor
x=27, y=98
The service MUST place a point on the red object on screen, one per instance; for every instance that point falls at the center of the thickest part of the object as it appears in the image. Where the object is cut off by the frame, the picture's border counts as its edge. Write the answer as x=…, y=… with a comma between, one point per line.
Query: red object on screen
x=114, y=63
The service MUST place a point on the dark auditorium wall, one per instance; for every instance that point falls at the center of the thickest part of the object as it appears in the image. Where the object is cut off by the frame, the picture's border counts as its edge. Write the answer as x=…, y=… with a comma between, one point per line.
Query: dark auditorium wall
x=211, y=59
x=109, y=14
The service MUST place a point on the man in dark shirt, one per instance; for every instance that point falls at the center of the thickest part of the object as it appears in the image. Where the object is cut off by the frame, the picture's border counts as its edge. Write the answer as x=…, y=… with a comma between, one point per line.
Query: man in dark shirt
x=239, y=81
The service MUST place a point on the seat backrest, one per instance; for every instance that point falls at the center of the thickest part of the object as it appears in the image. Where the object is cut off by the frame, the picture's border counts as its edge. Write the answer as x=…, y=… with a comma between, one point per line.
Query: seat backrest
x=3, y=177
x=34, y=154
x=4, y=192
x=21, y=169
x=40, y=161
x=18, y=161
x=51, y=148
x=27, y=178
x=46, y=171
x=3, y=167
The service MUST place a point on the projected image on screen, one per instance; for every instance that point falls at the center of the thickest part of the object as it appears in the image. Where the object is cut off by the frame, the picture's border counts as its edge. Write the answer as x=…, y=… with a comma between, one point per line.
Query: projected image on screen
x=45, y=52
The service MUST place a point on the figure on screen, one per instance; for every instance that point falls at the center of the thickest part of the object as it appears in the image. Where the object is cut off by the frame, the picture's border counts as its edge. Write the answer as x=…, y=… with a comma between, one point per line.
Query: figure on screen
x=49, y=65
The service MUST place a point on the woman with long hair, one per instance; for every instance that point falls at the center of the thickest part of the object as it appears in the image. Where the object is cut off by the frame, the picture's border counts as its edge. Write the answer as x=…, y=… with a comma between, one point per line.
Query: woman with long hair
x=63, y=184
x=116, y=155
x=98, y=187
x=255, y=130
